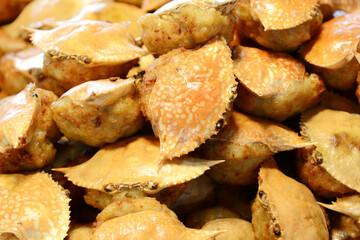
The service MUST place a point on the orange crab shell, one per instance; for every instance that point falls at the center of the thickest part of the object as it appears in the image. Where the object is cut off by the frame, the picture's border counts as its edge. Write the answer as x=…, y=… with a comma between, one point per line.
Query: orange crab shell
x=149, y=225
x=149, y=5
x=335, y=44
x=246, y=130
x=33, y=207
x=93, y=43
x=337, y=135
x=349, y=205
x=283, y=14
x=266, y=73
x=193, y=89
x=17, y=116
x=134, y=163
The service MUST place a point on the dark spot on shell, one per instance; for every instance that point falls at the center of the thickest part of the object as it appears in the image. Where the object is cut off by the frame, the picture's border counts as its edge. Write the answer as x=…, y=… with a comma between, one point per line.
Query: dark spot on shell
x=277, y=230
x=261, y=193
x=154, y=186
x=277, y=233
x=219, y=124
x=97, y=122
x=34, y=95
x=109, y=188
x=113, y=79
x=318, y=157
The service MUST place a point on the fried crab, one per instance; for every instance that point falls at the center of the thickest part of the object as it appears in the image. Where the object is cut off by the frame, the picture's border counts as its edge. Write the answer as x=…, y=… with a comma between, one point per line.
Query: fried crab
x=274, y=85
x=77, y=52
x=277, y=24
x=99, y=112
x=10, y=44
x=285, y=208
x=186, y=24
x=20, y=68
x=244, y=144
x=149, y=224
x=330, y=168
x=134, y=163
x=39, y=10
x=331, y=52
x=27, y=130
x=33, y=206
x=235, y=229
x=187, y=94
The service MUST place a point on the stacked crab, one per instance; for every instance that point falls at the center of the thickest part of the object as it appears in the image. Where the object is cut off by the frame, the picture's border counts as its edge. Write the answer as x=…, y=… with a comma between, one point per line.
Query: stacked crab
x=182, y=123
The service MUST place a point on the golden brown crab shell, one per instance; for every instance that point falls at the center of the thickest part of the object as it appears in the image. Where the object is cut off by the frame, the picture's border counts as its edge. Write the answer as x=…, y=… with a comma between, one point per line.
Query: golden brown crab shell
x=343, y=227
x=349, y=6
x=10, y=9
x=185, y=23
x=134, y=163
x=83, y=232
x=99, y=112
x=191, y=105
x=33, y=207
x=234, y=229
x=338, y=102
x=198, y=218
x=273, y=85
x=86, y=50
x=27, y=130
x=152, y=5
x=331, y=52
x=276, y=24
x=110, y=11
x=285, y=208
x=327, y=9
x=24, y=67
x=336, y=152
x=149, y=225
x=39, y=10
x=131, y=205
x=349, y=205
x=244, y=144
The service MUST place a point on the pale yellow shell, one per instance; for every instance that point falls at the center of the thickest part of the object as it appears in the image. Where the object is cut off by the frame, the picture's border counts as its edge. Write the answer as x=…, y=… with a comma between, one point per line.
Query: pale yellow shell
x=33, y=207
x=134, y=163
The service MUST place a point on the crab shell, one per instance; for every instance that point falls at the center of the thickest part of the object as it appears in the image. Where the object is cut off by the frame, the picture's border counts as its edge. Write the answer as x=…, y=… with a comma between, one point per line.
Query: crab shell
x=191, y=96
x=291, y=208
x=149, y=225
x=17, y=117
x=235, y=229
x=131, y=205
x=150, y=5
x=349, y=6
x=9, y=43
x=113, y=12
x=335, y=44
x=266, y=73
x=337, y=138
x=281, y=14
x=33, y=207
x=134, y=163
x=39, y=10
x=349, y=205
x=94, y=43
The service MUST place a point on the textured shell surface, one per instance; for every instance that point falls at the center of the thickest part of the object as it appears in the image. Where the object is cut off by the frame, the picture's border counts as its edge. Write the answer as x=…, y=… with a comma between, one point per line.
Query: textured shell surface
x=193, y=89
x=283, y=14
x=91, y=42
x=266, y=73
x=245, y=129
x=134, y=163
x=149, y=225
x=17, y=117
x=335, y=44
x=337, y=137
x=291, y=204
x=100, y=92
x=33, y=207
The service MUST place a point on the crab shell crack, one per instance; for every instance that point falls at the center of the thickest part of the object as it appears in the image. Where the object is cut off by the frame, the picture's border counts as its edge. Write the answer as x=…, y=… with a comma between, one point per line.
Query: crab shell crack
x=283, y=14
x=94, y=43
x=337, y=138
x=193, y=92
x=33, y=207
x=134, y=163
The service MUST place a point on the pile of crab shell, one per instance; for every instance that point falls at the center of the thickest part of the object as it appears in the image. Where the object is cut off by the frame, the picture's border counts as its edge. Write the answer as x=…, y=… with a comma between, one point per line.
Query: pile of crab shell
x=183, y=119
